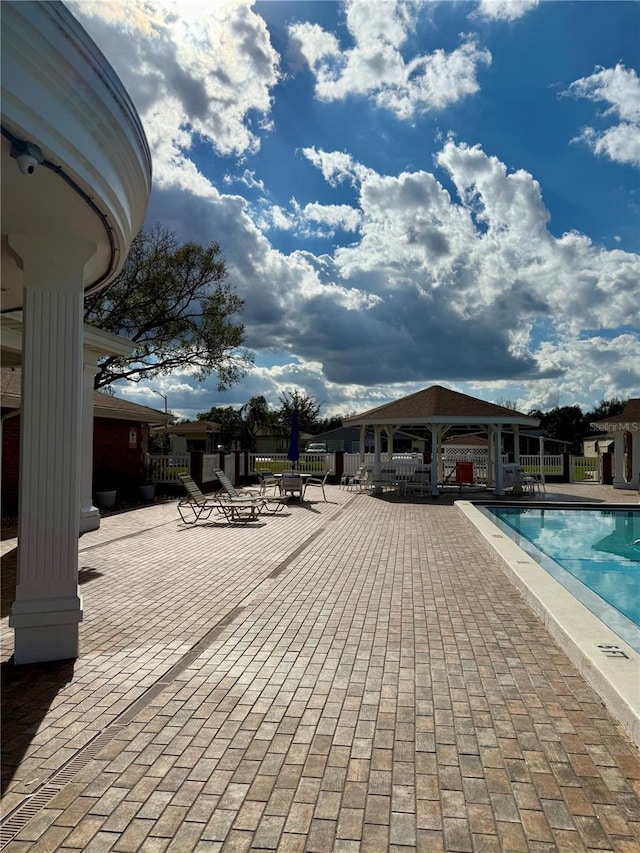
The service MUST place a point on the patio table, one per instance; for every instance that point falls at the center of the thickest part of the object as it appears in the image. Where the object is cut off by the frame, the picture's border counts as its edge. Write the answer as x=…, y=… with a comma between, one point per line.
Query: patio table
x=303, y=477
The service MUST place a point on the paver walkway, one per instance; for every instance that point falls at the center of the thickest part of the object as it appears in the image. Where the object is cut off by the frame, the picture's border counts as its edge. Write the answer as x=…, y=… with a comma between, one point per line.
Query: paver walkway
x=357, y=675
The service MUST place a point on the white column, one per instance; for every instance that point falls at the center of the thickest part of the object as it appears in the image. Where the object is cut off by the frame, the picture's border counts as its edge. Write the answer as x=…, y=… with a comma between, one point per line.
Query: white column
x=48, y=608
x=516, y=444
x=435, y=449
x=89, y=514
x=377, y=444
x=390, y=429
x=619, y=481
x=499, y=490
x=634, y=482
x=363, y=433
x=490, y=455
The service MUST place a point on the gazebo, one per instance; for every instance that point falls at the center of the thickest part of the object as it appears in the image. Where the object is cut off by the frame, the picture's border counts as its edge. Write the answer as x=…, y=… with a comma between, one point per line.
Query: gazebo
x=439, y=411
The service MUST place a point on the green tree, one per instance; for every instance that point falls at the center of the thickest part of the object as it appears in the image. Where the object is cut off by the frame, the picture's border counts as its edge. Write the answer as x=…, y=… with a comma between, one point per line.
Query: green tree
x=325, y=424
x=173, y=300
x=255, y=415
x=566, y=423
x=507, y=403
x=230, y=423
x=605, y=409
x=307, y=407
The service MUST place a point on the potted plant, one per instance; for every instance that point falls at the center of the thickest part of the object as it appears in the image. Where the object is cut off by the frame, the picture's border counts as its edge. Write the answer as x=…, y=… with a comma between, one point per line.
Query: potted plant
x=147, y=486
x=105, y=491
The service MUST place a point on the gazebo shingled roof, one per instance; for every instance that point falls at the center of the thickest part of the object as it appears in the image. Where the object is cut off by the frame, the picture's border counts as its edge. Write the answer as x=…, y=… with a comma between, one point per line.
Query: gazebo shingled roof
x=438, y=404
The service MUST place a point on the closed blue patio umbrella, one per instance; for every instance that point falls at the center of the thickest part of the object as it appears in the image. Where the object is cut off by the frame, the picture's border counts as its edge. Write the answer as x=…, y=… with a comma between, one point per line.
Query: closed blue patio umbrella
x=293, y=454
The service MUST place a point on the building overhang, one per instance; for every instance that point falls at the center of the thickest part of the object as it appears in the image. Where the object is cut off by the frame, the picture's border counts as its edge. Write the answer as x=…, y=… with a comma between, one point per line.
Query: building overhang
x=92, y=175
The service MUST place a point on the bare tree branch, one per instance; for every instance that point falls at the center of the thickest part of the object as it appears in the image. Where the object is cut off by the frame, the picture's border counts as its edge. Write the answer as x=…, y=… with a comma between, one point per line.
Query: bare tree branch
x=173, y=300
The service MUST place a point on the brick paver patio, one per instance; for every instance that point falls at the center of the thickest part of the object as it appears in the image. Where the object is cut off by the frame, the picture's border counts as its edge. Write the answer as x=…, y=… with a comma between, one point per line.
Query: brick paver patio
x=357, y=675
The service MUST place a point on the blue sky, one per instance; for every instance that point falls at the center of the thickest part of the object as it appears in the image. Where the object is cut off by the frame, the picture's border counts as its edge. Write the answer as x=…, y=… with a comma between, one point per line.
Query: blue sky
x=405, y=193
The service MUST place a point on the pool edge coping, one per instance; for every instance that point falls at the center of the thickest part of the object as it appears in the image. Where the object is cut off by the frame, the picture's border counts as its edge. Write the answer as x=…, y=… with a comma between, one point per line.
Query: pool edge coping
x=571, y=624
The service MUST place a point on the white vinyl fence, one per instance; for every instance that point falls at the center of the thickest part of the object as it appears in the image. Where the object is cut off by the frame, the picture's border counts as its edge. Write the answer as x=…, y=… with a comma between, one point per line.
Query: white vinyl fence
x=584, y=469
x=166, y=467
x=552, y=463
x=309, y=463
x=407, y=464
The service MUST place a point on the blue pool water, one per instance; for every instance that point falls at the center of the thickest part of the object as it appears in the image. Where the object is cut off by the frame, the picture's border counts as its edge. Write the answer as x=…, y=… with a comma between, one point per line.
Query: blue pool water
x=595, y=553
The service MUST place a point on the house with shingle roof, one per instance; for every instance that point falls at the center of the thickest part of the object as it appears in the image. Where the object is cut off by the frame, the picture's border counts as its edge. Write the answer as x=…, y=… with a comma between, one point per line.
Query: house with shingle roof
x=120, y=437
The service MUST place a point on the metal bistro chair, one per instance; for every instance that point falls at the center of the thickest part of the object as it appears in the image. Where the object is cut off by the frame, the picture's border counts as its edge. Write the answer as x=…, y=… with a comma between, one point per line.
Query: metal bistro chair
x=317, y=481
x=267, y=481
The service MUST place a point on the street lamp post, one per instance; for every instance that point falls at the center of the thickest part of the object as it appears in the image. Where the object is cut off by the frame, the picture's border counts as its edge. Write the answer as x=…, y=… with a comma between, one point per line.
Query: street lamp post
x=165, y=441
x=164, y=397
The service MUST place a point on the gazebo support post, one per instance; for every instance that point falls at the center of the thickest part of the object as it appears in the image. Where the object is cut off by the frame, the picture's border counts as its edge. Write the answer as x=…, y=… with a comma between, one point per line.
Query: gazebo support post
x=363, y=436
x=377, y=444
x=499, y=489
x=516, y=444
x=435, y=458
x=490, y=465
x=390, y=430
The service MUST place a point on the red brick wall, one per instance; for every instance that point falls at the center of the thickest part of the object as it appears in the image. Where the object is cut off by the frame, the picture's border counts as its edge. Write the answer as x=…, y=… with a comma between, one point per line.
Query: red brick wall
x=116, y=464
x=113, y=458
x=10, y=465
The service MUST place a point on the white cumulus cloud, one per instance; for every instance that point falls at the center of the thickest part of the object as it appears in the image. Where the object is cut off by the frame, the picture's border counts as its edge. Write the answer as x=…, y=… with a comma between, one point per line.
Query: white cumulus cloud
x=504, y=10
x=618, y=87
x=199, y=69
x=375, y=66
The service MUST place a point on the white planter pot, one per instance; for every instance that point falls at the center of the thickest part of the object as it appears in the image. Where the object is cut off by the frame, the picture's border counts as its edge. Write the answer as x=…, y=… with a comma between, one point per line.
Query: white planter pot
x=106, y=499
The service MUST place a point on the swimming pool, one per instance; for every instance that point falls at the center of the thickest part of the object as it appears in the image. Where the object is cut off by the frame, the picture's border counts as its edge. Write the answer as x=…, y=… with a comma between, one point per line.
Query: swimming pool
x=594, y=553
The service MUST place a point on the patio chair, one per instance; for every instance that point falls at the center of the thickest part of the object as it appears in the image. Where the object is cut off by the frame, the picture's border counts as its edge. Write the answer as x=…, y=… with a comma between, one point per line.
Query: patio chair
x=529, y=483
x=291, y=483
x=198, y=506
x=267, y=481
x=270, y=503
x=318, y=481
x=418, y=482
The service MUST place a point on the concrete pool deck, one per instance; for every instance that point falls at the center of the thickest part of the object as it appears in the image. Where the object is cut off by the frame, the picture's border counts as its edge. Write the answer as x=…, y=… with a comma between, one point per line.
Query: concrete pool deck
x=609, y=664
x=356, y=675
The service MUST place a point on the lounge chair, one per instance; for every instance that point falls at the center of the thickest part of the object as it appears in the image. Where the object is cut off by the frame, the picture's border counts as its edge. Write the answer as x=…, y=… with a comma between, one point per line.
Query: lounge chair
x=318, y=481
x=198, y=506
x=360, y=480
x=270, y=503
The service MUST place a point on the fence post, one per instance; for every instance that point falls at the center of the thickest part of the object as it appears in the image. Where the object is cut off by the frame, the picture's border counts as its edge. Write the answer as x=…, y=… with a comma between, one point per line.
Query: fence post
x=567, y=468
x=195, y=466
